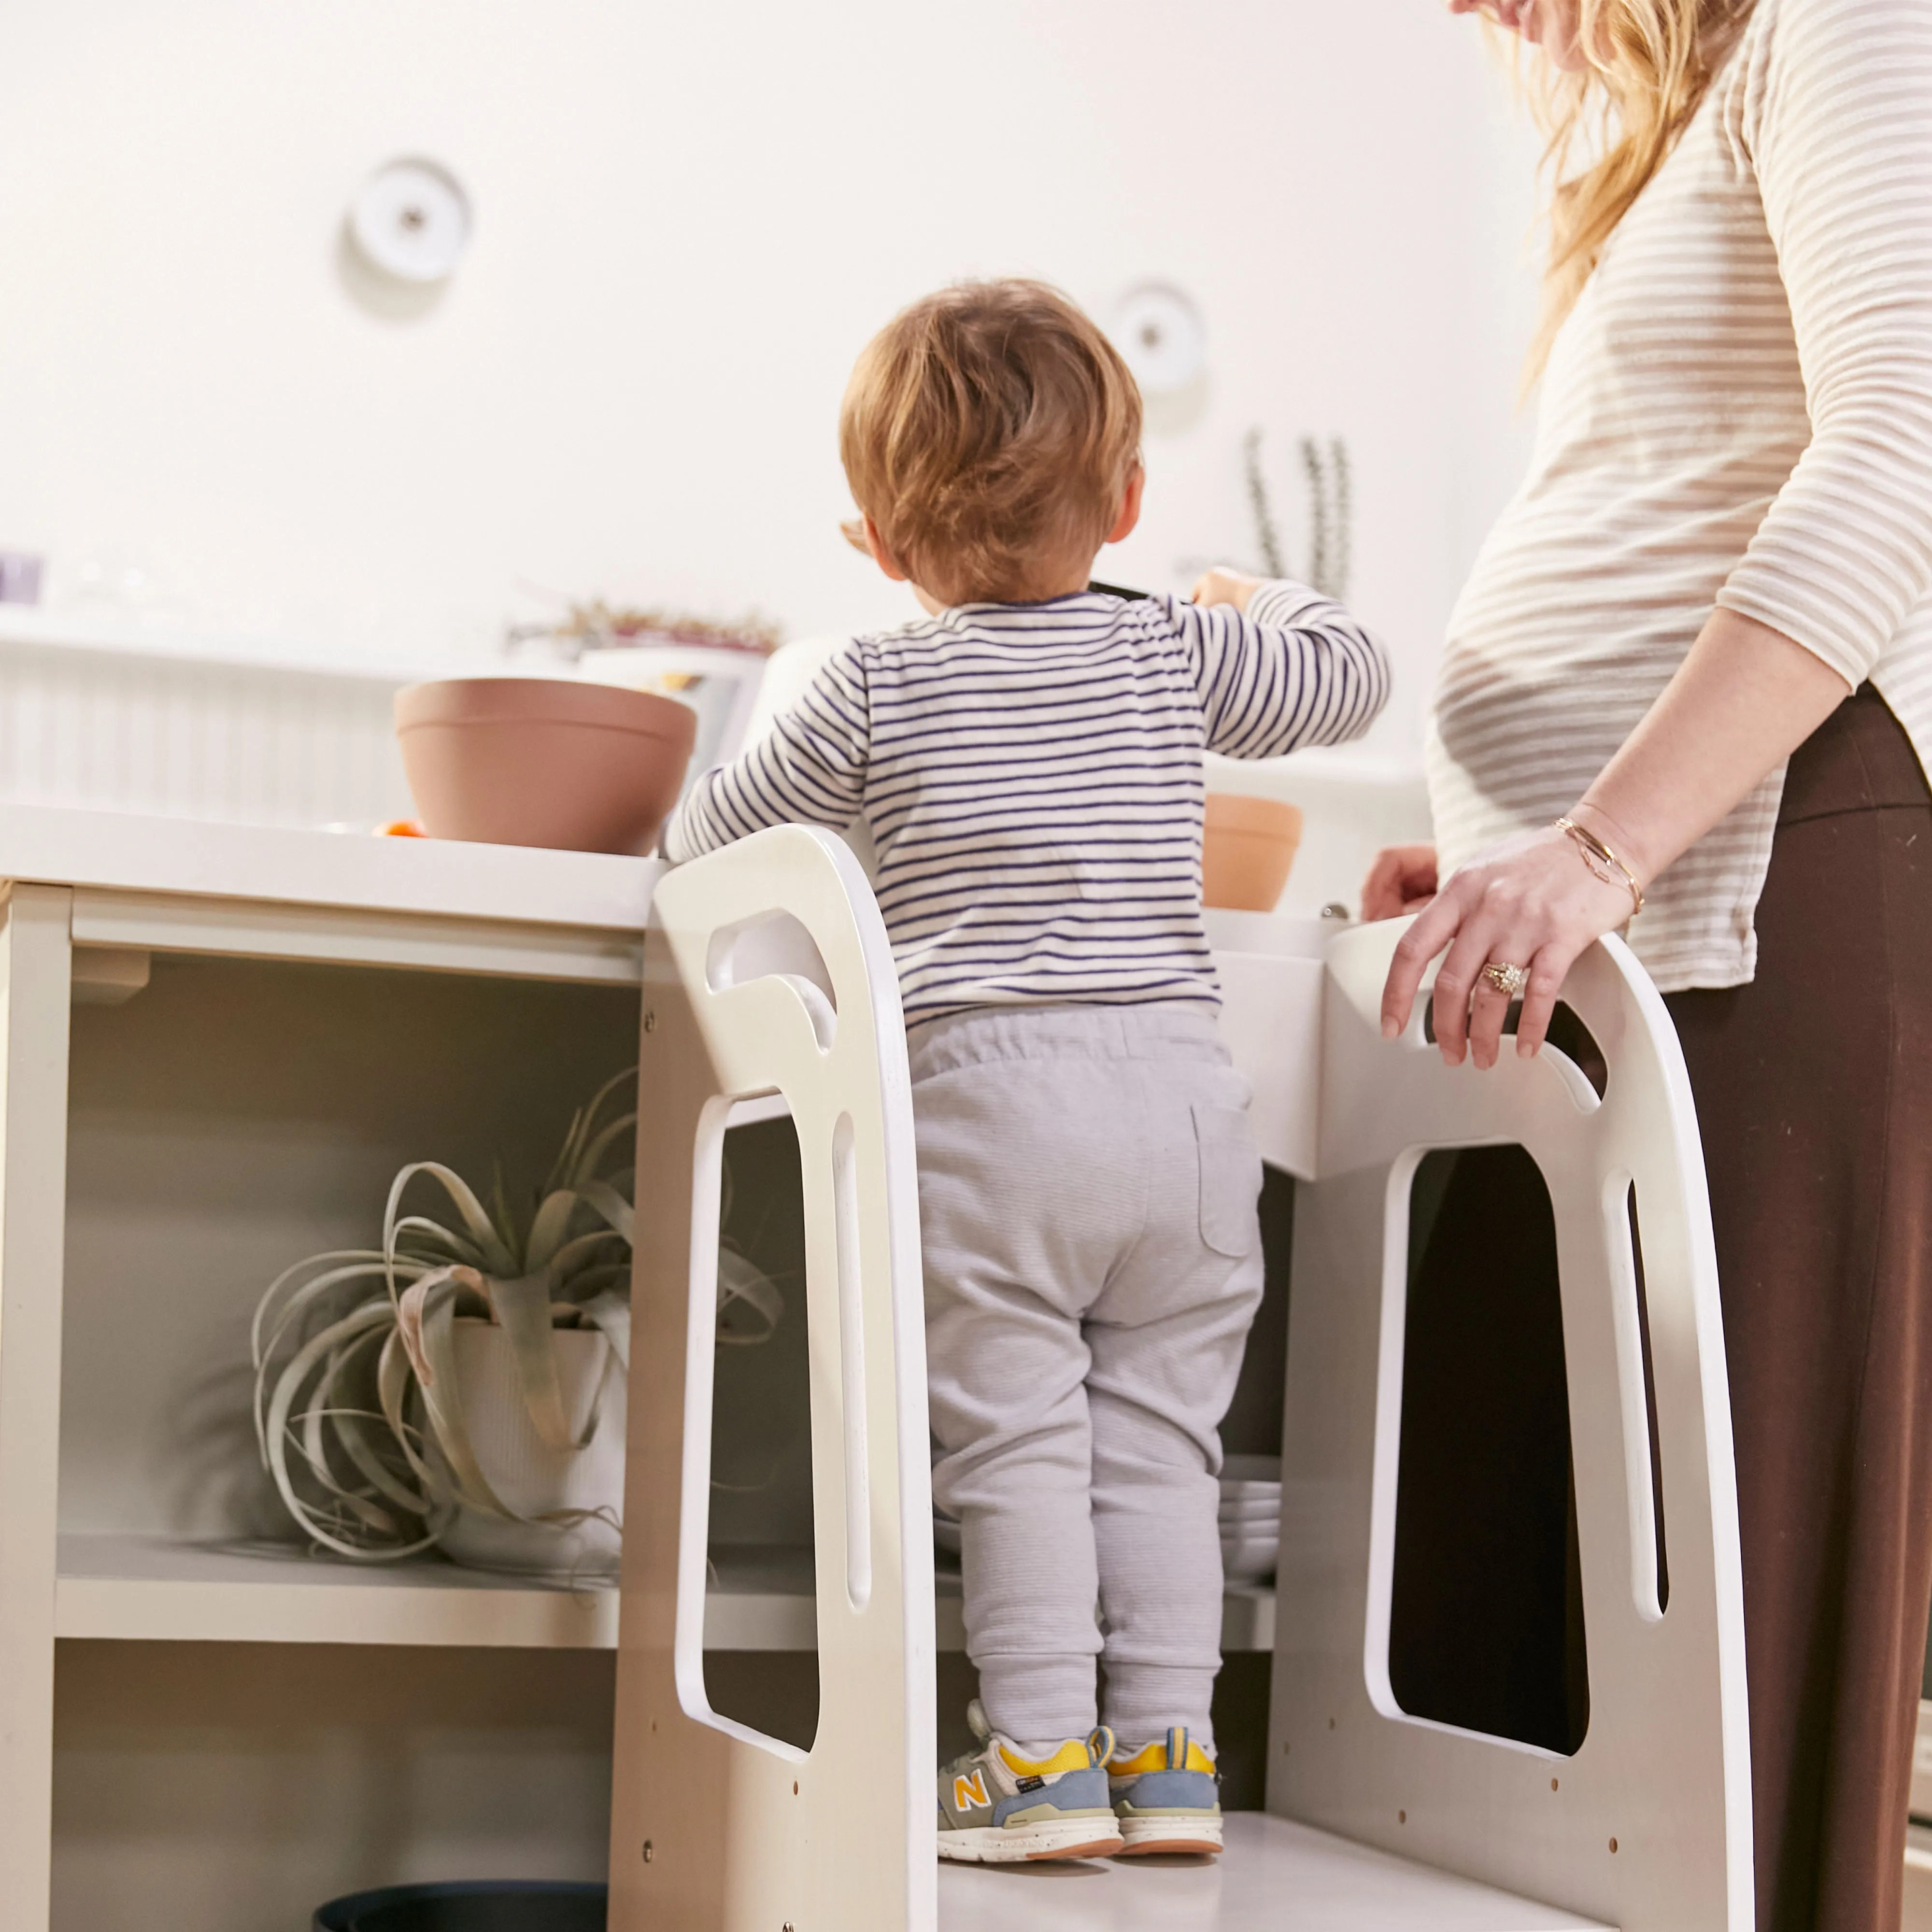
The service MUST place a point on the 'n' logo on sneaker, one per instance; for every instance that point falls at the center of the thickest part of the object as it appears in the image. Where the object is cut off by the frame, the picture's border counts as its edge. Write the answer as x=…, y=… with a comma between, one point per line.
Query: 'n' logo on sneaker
x=967, y=1792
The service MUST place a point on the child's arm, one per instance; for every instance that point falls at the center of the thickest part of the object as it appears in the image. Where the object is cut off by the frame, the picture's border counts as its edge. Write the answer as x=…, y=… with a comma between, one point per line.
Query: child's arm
x=808, y=769
x=1279, y=666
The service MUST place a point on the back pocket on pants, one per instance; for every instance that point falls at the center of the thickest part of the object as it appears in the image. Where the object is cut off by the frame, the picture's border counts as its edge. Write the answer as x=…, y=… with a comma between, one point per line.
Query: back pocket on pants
x=1231, y=1179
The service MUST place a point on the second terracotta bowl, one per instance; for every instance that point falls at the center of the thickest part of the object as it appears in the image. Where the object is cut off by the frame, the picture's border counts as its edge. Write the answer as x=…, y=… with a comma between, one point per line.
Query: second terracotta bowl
x=1249, y=852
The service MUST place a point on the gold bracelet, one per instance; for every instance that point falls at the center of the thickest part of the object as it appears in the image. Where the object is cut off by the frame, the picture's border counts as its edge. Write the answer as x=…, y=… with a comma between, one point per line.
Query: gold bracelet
x=1603, y=862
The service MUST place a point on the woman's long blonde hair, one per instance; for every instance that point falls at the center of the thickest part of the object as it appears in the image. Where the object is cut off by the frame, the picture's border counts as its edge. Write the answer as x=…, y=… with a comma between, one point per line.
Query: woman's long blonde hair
x=1611, y=124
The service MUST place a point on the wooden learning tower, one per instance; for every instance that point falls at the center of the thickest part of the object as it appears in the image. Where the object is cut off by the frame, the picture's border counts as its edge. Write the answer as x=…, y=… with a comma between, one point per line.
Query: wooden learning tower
x=769, y=986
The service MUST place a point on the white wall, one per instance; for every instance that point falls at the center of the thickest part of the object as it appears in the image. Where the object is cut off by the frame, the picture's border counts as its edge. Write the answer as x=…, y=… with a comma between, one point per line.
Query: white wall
x=689, y=219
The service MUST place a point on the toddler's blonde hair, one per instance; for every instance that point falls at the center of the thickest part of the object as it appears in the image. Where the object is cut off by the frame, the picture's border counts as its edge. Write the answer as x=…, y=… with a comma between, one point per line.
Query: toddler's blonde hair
x=988, y=431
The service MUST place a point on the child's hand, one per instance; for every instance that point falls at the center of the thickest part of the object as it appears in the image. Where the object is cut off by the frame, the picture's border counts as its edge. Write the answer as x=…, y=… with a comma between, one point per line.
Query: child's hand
x=1226, y=587
x=1402, y=880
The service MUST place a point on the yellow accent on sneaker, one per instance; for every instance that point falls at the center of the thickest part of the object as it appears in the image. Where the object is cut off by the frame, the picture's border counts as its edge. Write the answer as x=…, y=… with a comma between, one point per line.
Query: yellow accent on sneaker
x=1076, y=1754
x=1154, y=1757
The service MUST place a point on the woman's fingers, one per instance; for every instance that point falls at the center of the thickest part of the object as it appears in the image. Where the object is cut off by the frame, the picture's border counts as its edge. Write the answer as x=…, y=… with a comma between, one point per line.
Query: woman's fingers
x=1488, y=1009
x=1547, y=972
x=1433, y=929
x=1456, y=982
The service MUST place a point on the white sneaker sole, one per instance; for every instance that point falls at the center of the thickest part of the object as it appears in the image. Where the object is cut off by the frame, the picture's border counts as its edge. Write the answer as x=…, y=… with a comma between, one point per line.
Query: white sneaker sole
x=1172, y=1831
x=1091, y=1837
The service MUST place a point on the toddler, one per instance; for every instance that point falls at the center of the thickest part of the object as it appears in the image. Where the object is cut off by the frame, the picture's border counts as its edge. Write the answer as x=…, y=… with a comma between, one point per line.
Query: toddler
x=1028, y=760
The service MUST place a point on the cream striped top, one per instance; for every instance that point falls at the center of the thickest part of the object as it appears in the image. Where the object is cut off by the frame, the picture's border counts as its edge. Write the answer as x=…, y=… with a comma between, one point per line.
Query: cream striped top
x=1738, y=412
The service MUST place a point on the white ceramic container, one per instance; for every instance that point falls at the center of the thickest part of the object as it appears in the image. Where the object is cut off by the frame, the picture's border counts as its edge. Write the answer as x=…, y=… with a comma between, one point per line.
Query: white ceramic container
x=1255, y=1510
x=1236, y=1471
x=1250, y=1558
x=530, y=1477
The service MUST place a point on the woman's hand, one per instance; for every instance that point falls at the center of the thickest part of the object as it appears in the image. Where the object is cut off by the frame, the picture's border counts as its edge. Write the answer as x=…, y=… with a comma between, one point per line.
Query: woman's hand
x=1402, y=880
x=1745, y=697
x=1226, y=586
x=1533, y=903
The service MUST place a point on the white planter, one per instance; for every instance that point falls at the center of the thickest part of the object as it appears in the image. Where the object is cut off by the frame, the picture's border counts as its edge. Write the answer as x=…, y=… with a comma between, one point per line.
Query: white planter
x=530, y=1478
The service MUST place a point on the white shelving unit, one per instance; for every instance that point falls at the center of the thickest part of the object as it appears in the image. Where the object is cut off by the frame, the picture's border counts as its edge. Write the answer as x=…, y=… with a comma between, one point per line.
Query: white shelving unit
x=218, y=1042
x=135, y=1589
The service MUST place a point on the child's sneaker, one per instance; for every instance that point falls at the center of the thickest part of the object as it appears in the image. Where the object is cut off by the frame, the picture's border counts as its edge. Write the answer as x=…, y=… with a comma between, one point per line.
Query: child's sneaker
x=998, y=1808
x=1166, y=1797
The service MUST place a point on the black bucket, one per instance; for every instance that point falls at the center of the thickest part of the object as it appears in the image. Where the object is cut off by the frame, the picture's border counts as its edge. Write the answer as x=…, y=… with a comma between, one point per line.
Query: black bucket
x=506, y=1906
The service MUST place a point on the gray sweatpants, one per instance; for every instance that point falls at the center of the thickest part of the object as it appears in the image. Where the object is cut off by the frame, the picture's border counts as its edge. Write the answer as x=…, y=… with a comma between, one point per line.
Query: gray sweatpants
x=1087, y=1186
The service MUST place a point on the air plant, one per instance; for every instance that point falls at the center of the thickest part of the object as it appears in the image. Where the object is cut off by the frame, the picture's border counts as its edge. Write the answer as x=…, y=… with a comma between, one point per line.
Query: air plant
x=354, y=1349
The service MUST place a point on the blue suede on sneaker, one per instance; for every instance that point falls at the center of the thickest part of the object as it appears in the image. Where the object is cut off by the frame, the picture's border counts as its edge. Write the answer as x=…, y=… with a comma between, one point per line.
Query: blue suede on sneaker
x=1171, y=1790
x=1071, y=1791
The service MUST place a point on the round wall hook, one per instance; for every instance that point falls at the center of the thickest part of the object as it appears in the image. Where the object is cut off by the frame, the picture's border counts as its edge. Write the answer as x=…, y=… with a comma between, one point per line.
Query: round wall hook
x=1161, y=337
x=411, y=220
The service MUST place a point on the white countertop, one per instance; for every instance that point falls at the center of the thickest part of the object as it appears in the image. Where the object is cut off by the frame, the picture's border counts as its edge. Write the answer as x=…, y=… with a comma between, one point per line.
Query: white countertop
x=122, y=852
x=1275, y=935
x=126, y=852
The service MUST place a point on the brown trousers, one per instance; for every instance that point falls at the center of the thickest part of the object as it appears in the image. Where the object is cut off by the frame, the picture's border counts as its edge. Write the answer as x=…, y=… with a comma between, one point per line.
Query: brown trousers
x=1813, y=1086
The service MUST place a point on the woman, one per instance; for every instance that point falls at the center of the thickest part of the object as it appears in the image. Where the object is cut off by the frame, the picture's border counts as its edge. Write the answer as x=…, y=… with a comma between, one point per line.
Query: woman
x=1688, y=692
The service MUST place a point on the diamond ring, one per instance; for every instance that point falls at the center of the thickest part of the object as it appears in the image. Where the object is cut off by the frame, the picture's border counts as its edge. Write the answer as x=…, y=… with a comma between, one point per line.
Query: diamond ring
x=1506, y=980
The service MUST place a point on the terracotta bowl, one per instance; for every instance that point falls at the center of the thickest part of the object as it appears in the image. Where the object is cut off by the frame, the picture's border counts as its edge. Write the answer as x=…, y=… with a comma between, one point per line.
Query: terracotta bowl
x=1250, y=848
x=544, y=761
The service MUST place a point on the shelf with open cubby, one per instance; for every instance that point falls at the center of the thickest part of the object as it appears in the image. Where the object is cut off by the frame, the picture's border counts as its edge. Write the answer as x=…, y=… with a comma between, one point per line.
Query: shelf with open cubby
x=144, y=1589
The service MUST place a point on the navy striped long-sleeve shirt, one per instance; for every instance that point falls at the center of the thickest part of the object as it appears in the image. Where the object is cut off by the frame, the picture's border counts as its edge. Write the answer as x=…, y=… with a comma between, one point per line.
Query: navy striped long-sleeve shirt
x=1032, y=778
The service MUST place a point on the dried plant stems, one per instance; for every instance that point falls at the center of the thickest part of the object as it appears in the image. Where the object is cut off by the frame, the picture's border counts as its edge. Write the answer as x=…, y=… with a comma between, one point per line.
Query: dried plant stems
x=1330, y=487
x=1266, y=537
x=1318, y=514
x=1341, y=511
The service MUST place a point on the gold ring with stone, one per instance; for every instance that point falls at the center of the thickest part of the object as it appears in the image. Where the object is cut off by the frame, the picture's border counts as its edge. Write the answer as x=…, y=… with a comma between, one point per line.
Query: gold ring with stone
x=1506, y=980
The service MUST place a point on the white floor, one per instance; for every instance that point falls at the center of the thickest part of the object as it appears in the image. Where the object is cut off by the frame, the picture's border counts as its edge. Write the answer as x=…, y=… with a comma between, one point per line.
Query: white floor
x=1275, y=1877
